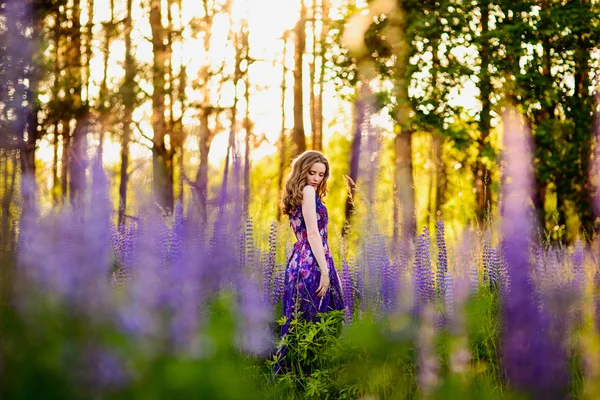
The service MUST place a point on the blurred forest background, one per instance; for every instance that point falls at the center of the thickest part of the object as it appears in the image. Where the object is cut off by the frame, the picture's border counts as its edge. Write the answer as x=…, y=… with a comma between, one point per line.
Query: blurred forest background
x=172, y=91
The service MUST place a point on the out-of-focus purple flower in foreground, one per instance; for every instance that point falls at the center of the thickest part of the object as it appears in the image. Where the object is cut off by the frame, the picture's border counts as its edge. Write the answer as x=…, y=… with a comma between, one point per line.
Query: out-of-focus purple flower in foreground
x=533, y=362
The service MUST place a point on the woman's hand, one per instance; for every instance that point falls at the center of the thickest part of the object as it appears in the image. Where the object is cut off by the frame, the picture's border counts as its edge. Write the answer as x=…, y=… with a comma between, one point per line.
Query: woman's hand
x=323, y=285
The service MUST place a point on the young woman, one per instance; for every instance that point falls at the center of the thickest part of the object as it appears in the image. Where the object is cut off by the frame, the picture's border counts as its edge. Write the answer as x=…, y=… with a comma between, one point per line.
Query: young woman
x=311, y=283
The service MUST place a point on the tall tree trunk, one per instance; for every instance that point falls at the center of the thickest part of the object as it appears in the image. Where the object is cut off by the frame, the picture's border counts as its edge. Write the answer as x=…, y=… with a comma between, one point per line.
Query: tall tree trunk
x=482, y=174
x=162, y=157
x=298, y=138
x=247, y=123
x=104, y=109
x=584, y=126
x=282, y=147
x=318, y=127
x=66, y=150
x=403, y=172
x=78, y=154
x=55, y=182
x=128, y=93
x=312, y=67
x=57, y=35
x=438, y=178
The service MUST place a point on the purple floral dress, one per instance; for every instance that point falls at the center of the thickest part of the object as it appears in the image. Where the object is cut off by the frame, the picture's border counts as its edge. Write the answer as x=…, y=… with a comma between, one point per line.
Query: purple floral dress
x=302, y=273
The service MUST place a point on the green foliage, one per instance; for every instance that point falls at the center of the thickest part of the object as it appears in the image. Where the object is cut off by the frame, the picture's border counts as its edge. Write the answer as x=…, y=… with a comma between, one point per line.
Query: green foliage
x=309, y=364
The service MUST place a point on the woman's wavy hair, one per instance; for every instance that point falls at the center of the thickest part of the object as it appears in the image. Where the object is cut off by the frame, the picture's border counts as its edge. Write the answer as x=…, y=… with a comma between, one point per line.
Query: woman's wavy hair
x=296, y=179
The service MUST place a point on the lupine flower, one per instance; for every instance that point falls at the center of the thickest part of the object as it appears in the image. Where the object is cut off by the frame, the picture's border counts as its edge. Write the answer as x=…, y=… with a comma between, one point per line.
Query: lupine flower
x=493, y=268
x=533, y=362
x=278, y=282
x=442, y=259
x=176, y=239
x=578, y=267
x=449, y=297
x=347, y=290
x=487, y=257
x=269, y=265
x=116, y=243
x=389, y=287
x=474, y=279
x=423, y=276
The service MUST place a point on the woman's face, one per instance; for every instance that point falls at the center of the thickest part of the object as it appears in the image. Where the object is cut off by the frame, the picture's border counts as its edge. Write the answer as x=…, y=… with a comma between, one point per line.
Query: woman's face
x=315, y=174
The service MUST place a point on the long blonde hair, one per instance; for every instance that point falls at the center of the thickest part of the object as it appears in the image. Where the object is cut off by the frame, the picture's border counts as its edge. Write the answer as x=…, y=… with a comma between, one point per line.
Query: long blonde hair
x=296, y=179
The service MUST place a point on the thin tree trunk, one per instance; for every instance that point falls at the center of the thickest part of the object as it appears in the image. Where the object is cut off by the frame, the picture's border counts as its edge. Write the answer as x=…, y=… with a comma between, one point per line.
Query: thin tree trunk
x=162, y=158
x=56, y=188
x=78, y=156
x=312, y=76
x=66, y=149
x=546, y=113
x=55, y=183
x=247, y=125
x=403, y=172
x=282, y=150
x=482, y=174
x=298, y=138
x=322, y=51
x=104, y=111
x=438, y=178
x=128, y=104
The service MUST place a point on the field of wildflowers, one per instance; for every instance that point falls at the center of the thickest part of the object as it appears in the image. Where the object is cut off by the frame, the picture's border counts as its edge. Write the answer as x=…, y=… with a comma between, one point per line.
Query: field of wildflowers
x=170, y=306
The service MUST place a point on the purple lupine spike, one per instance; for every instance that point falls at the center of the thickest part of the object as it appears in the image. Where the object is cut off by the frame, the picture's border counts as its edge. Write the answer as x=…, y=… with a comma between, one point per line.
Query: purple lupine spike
x=176, y=239
x=424, y=289
x=130, y=247
x=503, y=270
x=442, y=258
x=389, y=287
x=269, y=265
x=492, y=273
x=373, y=262
x=161, y=240
x=533, y=361
x=278, y=282
x=474, y=279
x=359, y=278
x=347, y=290
x=449, y=297
x=115, y=243
x=267, y=276
x=487, y=257
x=249, y=256
x=578, y=266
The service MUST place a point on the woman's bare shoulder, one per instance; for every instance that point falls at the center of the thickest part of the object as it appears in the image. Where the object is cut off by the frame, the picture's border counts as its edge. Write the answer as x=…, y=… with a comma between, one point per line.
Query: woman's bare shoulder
x=308, y=189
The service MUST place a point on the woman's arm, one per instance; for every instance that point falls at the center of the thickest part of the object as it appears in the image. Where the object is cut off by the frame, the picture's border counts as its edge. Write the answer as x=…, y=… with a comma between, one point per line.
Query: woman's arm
x=309, y=211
